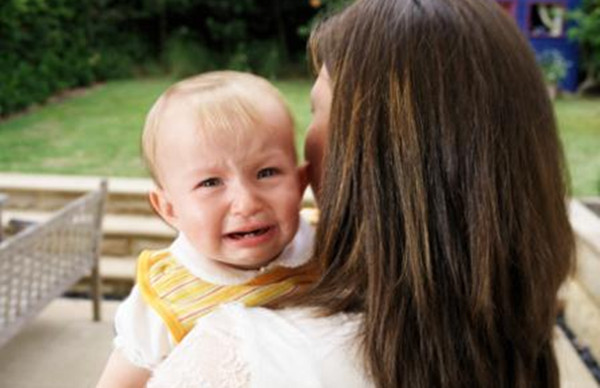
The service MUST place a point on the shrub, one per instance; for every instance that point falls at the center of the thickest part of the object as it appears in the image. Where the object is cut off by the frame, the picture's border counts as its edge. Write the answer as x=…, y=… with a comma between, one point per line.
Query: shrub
x=554, y=66
x=586, y=32
x=185, y=55
x=51, y=45
x=265, y=58
x=47, y=46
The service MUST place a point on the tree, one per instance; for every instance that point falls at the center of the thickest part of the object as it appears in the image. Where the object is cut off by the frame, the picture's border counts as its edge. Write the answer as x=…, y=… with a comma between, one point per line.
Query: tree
x=586, y=32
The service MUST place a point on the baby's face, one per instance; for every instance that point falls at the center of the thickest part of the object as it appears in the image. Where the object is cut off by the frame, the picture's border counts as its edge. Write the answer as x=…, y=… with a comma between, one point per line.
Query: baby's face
x=236, y=197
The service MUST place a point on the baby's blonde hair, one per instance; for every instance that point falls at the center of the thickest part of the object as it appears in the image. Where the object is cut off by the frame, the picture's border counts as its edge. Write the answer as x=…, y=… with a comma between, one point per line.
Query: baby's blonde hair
x=222, y=101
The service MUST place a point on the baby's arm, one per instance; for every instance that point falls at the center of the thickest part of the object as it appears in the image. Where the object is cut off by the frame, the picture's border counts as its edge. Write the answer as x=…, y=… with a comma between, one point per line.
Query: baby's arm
x=121, y=373
x=142, y=341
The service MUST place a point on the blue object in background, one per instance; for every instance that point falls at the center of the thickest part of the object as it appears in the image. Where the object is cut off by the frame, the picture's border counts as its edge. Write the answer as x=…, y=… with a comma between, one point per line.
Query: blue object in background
x=545, y=24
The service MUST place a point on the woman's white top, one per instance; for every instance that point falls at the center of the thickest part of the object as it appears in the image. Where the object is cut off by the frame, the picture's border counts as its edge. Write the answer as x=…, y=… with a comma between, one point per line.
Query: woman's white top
x=237, y=347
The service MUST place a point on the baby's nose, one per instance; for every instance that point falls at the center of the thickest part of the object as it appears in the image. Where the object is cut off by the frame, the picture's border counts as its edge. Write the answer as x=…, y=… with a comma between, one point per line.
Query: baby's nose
x=246, y=202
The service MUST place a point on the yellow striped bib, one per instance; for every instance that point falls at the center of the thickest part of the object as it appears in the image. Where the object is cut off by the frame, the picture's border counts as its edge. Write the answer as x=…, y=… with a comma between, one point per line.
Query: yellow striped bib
x=180, y=298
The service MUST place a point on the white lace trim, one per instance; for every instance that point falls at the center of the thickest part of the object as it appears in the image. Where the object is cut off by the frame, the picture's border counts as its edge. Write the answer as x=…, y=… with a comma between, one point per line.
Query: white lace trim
x=208, y=358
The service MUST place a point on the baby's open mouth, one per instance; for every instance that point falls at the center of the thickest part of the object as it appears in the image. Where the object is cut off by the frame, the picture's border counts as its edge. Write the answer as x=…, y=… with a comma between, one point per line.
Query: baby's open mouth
x=248, y=234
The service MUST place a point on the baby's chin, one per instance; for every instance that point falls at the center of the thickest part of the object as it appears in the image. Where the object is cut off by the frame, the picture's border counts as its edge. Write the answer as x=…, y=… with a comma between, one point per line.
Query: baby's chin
x=249, y=261
x=251, y=264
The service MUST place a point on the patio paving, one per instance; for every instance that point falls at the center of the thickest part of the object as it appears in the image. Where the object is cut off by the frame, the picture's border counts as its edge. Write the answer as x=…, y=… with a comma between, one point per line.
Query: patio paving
x=61, y=348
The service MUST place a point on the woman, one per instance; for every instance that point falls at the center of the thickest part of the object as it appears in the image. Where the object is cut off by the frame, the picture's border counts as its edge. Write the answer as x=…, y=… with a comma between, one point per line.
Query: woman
x=443, y=233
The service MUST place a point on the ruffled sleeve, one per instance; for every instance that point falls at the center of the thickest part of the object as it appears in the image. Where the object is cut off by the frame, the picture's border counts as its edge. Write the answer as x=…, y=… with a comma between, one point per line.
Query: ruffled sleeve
x=141, y=334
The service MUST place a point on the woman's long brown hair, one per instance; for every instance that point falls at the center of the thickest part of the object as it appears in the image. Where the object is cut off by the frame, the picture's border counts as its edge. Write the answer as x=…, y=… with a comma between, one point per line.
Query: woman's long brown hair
x=443, y=215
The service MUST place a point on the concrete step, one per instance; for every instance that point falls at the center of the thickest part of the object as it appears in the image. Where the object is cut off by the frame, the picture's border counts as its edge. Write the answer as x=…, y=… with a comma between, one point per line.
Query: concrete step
x=118, y=277
x=586, y=225
x=126, y=235
x=593, y=203
x=51, y=192
x=573, y=372
x=62, y=347
x=582, y=293
x=118, y=268
x=123, y=235
x=582, y=315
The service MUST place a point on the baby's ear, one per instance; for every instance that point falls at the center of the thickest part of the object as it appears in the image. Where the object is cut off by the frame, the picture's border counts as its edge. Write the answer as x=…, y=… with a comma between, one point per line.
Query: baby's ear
x=162, y=206
x=303, y=176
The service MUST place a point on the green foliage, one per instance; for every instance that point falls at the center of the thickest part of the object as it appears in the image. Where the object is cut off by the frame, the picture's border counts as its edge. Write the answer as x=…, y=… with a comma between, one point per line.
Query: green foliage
x=47, y=46
x=184, y=54
x=554, y=66
x=52, y=45
x=245, y=35
x=28, y=72
x=586, y=32
x=335, y=5
x=266, y=58
x=325, y=8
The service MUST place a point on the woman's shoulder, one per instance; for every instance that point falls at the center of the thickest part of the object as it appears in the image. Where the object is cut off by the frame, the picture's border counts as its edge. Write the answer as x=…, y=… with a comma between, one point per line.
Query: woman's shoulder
x=272, y=348
x=318, y=351
x=305, y=320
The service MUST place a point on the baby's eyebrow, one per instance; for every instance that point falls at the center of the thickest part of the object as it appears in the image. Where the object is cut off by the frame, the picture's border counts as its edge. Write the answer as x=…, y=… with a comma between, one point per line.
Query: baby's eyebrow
x=203, y=171
x=270, y=154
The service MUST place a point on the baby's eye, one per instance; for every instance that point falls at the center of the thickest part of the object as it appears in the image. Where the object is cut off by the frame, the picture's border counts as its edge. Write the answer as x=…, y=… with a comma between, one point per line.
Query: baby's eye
x=210, y=182
x=267, y=172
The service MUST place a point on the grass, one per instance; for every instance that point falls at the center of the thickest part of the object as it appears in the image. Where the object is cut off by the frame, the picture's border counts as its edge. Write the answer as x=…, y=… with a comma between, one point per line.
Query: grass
x=97, y=133
x=579, y=123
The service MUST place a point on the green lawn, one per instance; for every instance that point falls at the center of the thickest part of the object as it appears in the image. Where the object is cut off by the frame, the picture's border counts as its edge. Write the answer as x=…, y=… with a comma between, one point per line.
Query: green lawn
x=579, y=123
x=98, y=132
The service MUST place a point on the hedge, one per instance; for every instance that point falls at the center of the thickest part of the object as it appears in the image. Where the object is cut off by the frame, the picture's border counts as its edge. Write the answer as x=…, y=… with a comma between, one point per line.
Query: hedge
x=47, y=46
x=50, y=45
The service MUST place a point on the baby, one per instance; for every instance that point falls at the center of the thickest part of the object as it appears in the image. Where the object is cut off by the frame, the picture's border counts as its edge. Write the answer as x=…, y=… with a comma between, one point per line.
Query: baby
x=220, y=147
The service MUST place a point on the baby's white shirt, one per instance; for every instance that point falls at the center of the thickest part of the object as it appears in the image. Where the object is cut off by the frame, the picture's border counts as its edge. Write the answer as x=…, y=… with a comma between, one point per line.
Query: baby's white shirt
x=141, y=334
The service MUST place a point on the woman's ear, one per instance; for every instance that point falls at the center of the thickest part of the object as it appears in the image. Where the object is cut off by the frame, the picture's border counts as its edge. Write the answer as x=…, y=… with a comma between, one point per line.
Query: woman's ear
x=162, y=206
x=303, y=177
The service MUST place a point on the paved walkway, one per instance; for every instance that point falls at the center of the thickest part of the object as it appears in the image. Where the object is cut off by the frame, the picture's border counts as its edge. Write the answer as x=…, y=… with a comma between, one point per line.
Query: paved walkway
x=61, y=348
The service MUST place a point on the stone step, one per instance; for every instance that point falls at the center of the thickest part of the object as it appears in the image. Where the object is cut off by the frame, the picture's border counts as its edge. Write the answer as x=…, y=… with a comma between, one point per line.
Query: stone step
x=582, y=293
x=593, y=203
x=573, y=372
x=51, y=192
x=582, y=315
x=586, y=225
x=118, y=277
x=118, y=268
x=123, y=235
x=126, y=235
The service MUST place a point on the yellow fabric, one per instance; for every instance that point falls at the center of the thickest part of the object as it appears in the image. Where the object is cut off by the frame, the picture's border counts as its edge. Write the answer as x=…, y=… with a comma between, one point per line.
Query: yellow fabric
x=180, y=298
